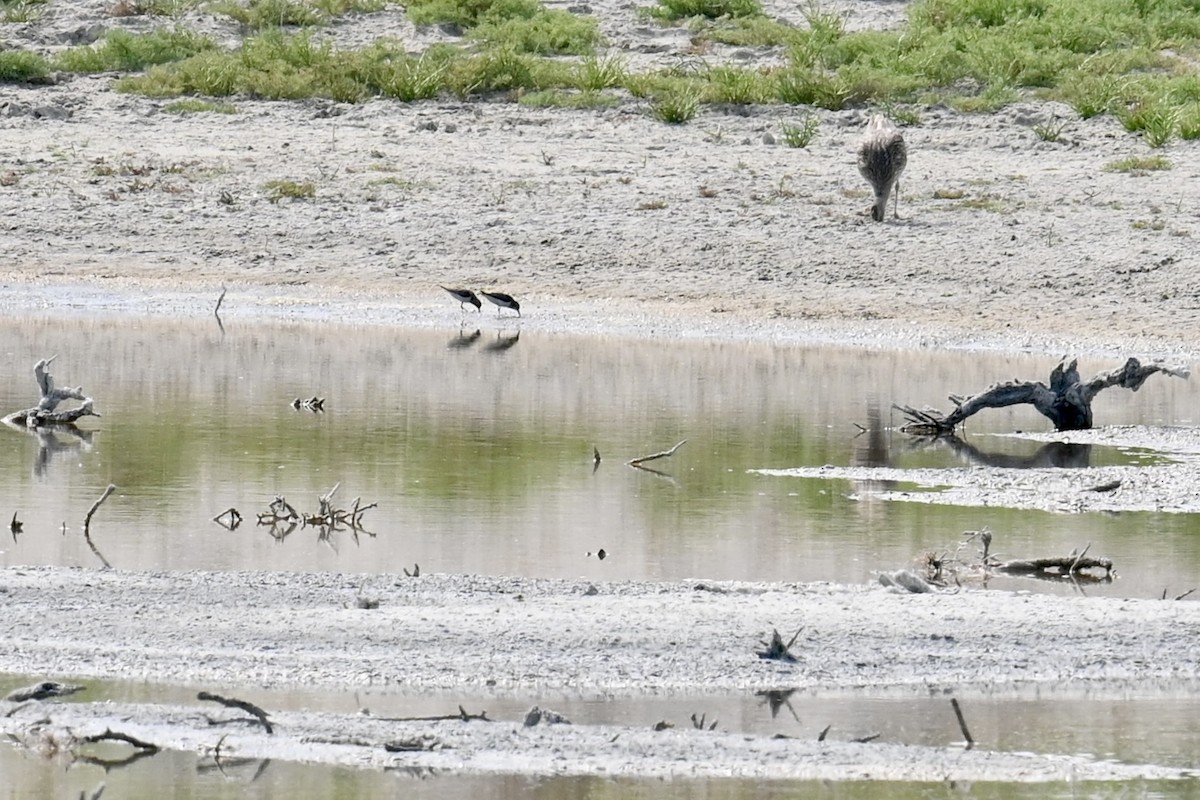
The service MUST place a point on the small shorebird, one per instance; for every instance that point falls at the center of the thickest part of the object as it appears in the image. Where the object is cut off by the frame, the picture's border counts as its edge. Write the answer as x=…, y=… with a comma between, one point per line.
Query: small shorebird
x=881, y=158
x=464, y=296
x=502, y=300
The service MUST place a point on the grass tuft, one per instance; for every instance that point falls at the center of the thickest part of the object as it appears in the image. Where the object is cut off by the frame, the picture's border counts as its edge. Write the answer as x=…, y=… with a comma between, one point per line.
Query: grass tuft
x=22, y=66
x=801, y=135
x=1139, y=165
x=121, y=50
x=293, y=190
x=198, y=106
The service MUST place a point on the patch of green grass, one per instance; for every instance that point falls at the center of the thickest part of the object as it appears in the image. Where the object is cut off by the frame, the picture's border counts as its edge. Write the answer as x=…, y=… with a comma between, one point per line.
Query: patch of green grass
x=1139, y=165
x=469, y=13
x=22, y=66
x=198, y=106
x=593, y=74
x=751, y=31
x=21, y=10
x=1050, y=131
x=1154, y=117
x=801, y=135
x=671, y=10
x=736, y=85
x=676, y=107
x=121, y=50
x=292, y=190
x=558, y=98
x=546, y=32
x=261, y=14
x=799, y=86
x=1189, y=122
x=153, y=8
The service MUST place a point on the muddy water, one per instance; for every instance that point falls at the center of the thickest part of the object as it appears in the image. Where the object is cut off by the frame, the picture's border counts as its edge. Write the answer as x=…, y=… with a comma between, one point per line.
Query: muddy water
x=478, y=450
x=1150, y=725
x=177, y=774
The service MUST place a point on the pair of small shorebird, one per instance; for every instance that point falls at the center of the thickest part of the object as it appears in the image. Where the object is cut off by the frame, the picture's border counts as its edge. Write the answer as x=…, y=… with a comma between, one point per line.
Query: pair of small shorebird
x=500, y=299
x=882, y=156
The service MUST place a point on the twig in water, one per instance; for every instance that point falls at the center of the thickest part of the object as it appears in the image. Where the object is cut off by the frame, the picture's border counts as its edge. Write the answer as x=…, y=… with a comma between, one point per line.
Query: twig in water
x=870, y=737
x=1185, y=594
x=242, y=705
x=217, y=310
x=824, y=732
x=87, y=521
x=110, y=735
x=962, y=723
x=653, y=456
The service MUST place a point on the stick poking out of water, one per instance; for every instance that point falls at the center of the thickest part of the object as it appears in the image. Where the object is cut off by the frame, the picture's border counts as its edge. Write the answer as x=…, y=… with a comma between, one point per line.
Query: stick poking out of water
x=653, y=456
x=962, y=723
x=87, y=522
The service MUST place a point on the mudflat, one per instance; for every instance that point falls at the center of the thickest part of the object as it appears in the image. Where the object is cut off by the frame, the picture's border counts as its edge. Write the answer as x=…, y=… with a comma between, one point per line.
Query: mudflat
x=603, y=221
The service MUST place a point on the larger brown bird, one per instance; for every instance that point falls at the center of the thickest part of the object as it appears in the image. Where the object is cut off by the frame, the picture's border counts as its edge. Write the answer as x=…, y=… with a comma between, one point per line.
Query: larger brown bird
x=882, y=156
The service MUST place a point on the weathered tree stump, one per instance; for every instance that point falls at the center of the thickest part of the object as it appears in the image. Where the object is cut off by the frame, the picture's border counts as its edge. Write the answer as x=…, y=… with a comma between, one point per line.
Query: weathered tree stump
x=45, y=412
x=1066, y=401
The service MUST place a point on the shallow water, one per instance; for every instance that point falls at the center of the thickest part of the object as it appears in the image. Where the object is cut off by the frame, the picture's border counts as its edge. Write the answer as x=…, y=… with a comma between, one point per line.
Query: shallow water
x=187, y=775
x=478, y=451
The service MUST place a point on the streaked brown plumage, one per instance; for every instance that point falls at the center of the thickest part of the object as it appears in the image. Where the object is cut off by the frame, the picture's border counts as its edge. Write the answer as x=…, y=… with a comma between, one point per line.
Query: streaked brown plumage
x=882, y=156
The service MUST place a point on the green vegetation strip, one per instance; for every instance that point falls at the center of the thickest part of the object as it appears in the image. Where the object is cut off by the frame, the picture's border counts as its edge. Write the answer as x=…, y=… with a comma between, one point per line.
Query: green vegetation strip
x=1131, y=58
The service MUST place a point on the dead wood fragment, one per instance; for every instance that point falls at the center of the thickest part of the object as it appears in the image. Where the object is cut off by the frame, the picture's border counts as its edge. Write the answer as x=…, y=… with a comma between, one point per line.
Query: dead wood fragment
x=314, y=404
x=110, y=735
x=663, y=725
x=87, y=522
x=962, y=723
x=1178, y=596
x=824, y=732
x=424, y=742
x=1066, y=400
x=221, y=299
x=461, y=716
x=870, y=737
x=698, y=724
x=416, y=571
x=1057, y=567
x=260, y=716
x=45, y=413
x=664, y=454
x=776, y=649
x=96, y=794
x=235, y=519
x=42, y=691
x=1111, y=486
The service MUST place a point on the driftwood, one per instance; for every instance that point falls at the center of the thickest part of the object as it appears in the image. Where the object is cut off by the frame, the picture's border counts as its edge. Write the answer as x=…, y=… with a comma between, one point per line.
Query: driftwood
x=259, y=716
x=42, y=691
x=942, y=567
x=45, y=412
x=1055, y=567
x=699, y=724
x=1066, y=400
x=461, y=716
x=110, y=735
x=283, y=518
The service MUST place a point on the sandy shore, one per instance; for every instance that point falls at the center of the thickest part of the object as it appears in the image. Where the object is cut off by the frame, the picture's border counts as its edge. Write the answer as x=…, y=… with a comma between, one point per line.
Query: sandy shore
x=599, y=222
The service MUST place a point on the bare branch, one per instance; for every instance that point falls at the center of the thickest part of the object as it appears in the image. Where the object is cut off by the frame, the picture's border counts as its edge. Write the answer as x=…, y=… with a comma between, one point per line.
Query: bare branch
x=653, y=456
x=232, y=702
